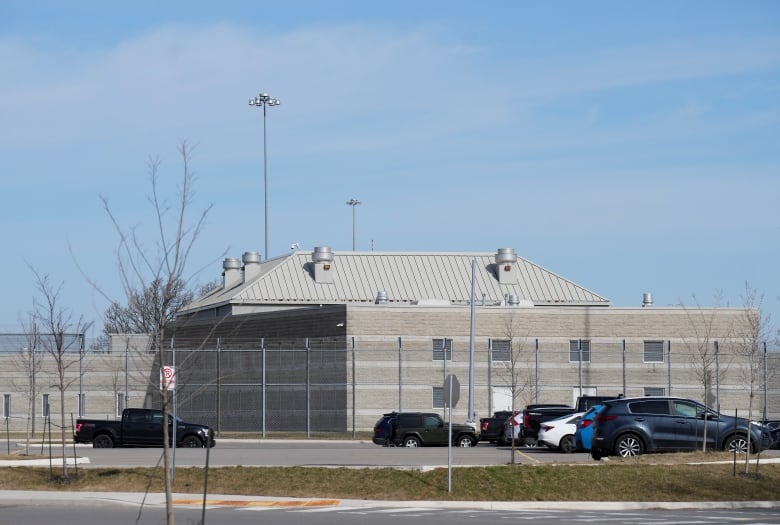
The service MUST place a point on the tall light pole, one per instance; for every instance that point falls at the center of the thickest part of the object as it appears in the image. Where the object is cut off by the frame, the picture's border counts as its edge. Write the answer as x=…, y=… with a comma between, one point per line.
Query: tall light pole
x=264, y=99
x=353, y=203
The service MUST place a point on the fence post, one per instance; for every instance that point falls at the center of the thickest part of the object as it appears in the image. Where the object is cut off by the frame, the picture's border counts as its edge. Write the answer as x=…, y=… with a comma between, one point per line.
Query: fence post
x=400, y=378
x=490, y=378
x=354, y=383
x=624, y=368
x=717, y=376
x=263, y=387
x=308, y=390
x=766, y=391
x=219, y=385
x=669, y=366
x=536, y=371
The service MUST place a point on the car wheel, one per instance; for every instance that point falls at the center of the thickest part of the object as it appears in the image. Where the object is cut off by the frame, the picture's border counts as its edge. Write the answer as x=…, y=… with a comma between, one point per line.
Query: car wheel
x=629, y=445
x=191, y=442
x=412, y=442
x=567, y=444
x=466, y=441
x=736, y=444
x=103, y=441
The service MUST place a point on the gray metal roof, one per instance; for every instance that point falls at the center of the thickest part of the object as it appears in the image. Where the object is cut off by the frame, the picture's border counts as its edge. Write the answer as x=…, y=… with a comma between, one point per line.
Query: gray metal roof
x=405, y=277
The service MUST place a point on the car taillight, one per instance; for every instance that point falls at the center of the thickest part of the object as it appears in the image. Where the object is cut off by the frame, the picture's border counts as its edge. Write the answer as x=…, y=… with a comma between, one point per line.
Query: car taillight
x=78, y=427
x=526, y=420
x=585, y=423
x=484, y=426
x=547, y=428
x=603, y=419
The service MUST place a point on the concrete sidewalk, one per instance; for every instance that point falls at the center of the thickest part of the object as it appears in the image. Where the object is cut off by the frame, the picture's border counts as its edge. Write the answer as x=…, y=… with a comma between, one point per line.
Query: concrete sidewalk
x=137, y=499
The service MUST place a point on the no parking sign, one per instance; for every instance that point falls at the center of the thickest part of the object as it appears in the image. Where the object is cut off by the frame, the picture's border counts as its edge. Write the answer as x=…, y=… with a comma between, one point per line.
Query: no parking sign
x=168, y=378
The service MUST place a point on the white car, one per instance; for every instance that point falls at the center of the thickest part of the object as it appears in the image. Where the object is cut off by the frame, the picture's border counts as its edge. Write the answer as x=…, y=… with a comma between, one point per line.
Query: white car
x=559, y=433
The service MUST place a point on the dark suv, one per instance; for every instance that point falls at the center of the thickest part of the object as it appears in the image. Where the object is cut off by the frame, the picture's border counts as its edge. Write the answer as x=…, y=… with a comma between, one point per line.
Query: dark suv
x=633, y=426
x=416, y=429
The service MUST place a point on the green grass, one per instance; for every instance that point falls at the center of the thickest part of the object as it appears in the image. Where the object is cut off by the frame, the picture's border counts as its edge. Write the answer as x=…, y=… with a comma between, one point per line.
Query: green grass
x=613, y=481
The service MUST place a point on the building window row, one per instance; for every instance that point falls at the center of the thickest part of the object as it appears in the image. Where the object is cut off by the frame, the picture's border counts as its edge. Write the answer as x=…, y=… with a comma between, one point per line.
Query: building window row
x=579, y=350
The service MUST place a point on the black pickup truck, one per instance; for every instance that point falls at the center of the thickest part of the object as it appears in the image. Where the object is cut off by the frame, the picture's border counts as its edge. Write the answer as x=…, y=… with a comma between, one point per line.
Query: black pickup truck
x=492, y=428
x=141, y=427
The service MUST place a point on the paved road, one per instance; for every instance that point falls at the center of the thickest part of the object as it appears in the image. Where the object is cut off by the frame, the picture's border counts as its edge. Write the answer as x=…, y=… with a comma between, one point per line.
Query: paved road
x=324, y=453
x=118, y=509
x=329, y=453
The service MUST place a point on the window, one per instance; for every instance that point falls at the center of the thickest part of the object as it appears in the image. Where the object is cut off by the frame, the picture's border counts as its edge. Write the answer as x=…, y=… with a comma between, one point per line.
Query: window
x=574, y=350
x=120, y=403
x=501, y=350
x=654, y=352
x=654, y=391
x=438, y=397
x=6, y=405
x=432, y=422
x=82, y=398
x=687, y=409
x=442, y=349
x=45, y=405
x=659, y=407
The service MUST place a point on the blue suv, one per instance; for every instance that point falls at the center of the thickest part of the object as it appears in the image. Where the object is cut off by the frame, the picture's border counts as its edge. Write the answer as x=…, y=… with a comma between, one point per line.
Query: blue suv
x=633, y=426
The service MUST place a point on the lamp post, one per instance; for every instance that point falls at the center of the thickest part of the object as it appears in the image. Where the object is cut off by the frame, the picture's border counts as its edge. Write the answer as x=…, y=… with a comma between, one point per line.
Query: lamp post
x=264, y=99
x=353, y=203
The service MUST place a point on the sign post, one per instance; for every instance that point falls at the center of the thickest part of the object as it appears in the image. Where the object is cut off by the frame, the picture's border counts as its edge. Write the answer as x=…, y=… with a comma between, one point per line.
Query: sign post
x=451, y=392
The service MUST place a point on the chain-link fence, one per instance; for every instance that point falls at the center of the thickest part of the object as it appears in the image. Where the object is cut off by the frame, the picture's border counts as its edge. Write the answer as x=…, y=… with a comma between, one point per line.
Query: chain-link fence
x=325, y=385
x=343, y=384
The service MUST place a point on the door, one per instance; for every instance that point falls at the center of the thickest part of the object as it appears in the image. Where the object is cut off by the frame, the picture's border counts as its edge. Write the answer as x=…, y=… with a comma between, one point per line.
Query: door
x=435, y=431
x=691, y=426
x=138, y=428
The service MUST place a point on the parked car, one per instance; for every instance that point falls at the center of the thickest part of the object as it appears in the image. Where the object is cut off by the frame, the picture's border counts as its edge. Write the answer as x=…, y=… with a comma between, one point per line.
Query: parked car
x=559, y=433
x=492, y=428
x=533, y=417
x=383, y=430
x=417, y=429
x=141, y=427
x=584, y=431
x=773, y=427
x=633, y=426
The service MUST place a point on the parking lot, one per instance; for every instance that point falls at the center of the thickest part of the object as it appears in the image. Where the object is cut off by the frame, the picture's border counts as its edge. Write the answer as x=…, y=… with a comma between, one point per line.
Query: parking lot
x=333, y=454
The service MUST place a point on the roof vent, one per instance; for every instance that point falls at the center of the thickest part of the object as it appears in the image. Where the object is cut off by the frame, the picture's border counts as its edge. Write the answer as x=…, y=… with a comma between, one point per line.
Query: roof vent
x=506, y=267
x=513, y=300
x=381, y=298
x=251, y=265
x=647, y=300
x=323, y=265
x=322, y=254
x=506, y=255
x=232, y=272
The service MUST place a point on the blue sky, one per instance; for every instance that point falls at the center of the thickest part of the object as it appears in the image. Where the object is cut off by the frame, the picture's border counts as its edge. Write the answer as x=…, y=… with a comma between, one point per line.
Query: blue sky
x=628, y=146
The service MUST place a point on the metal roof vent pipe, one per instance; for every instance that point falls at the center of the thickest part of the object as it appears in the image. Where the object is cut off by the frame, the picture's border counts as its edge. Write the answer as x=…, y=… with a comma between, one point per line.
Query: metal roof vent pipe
x=506, y=255
x=381, y=298
x=647, y=300
x=322, y=256
x=231, y=274
x=513, y=300
x=506, y=266
x=251, y=265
